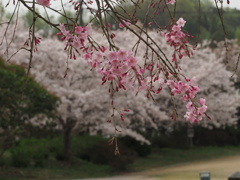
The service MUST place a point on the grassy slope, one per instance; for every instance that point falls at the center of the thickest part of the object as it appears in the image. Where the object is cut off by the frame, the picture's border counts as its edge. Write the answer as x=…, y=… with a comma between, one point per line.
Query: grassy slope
x=56, y=170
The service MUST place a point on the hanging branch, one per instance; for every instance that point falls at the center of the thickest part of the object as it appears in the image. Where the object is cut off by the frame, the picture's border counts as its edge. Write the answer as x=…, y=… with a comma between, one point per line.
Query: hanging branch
x=220, y=14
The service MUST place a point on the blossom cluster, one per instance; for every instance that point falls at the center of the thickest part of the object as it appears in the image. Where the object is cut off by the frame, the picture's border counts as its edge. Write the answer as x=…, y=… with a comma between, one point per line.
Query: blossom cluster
x=119, y=66
x=195, y=113
x=37, y=41
x=178, y=39
x=75, y=40
x=188, y=92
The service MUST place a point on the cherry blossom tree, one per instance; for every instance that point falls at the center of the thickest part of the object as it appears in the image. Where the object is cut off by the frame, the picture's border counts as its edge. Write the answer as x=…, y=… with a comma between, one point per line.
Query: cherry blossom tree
x=233, y=58
x=216, y=84
x=80, y=104
x=143, y=66
x=211, y=74
x=85, y=103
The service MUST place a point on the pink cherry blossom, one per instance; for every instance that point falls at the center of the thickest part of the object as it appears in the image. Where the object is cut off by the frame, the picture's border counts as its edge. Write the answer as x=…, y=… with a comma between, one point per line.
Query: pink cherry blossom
x=144, y=84
x=190, y=106
x=171, y=83
x=111, y=77
x=191, y=117
x=142, y=70
x=125, y=23
x=122, y=54
x=76, y=43
x=124, y=68
x=63, y=30
x=202, y=109
x=132, y=61
x=82, y=36
x=181, y=22
x=115, y=62
x=171, y=1
x=162, y=83
x=126, y=80
x=87, y=56
x=195, y=114
x=98, y=55
x=202, y=101
x=176, y=28
x=112, y=55
x=44, y=2
x=88, y=28
x=78, y=29
x=116, y=71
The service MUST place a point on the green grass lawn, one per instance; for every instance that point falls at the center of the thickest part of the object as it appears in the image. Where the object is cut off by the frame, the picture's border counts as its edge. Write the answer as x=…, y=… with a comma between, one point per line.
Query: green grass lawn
x=83, y=169
x=56, y=170
x=167, y=157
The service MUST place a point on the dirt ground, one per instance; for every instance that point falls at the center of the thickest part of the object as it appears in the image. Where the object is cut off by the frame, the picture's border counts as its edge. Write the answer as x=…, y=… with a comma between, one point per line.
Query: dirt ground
x=220, y=169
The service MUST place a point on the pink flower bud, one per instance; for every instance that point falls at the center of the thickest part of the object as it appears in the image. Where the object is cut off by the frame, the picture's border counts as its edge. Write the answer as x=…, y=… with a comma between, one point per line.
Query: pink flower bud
x=142, y=70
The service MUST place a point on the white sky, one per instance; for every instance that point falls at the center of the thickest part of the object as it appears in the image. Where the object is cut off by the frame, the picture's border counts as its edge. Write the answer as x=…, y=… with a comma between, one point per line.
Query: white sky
x=57, y=5
x=233, y=3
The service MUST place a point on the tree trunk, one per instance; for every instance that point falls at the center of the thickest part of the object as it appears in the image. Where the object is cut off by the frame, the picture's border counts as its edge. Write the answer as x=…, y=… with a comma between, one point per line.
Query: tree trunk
x=67, y=126
x=67, y=143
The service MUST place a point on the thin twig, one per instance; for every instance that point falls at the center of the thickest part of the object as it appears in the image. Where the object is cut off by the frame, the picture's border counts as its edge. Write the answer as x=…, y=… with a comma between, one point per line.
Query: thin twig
x=235, y=71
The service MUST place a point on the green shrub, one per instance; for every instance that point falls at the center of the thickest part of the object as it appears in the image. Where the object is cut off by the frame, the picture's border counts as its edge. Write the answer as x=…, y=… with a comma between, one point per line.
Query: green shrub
x=178, y=138
x=5, y=160
x=101, y=153
x=141, y=149
x=56, y=148
x=95, y=149
x=30, y=152
x=122, y=162
x=81, y=144
x=216, y=136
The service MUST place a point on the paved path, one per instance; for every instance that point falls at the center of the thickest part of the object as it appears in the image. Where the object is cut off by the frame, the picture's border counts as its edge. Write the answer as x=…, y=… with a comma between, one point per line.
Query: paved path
x=127, y=177
x=220, y=169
